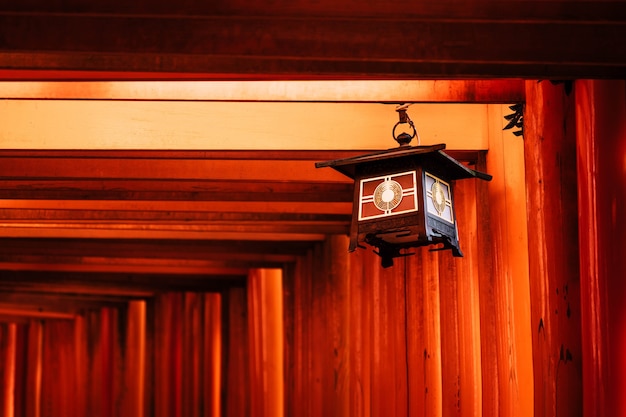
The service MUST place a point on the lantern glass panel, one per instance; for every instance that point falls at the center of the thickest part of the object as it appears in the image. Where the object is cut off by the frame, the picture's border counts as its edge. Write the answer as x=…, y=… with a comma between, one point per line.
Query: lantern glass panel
x=438, y=198
x=387, y=195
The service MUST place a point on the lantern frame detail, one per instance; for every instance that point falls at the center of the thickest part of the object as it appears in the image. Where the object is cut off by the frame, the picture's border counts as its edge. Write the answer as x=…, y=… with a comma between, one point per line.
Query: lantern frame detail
x=403, y=198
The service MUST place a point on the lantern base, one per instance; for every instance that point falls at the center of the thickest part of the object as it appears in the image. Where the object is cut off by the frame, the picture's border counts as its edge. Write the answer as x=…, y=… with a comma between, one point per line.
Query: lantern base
x=388, y=251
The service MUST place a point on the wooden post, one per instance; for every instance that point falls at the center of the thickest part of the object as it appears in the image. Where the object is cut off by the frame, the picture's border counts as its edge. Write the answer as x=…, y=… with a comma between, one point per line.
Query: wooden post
x=57, y=386
x=424, y=334
x=132, y=394
x=601, y=146
x=8, y=335
x=265, y=315
x=32, y=395
x=236, y=374
x=389, y=379
x=212, y=353
x=167, y=356
x=507, y=294
x=550, y=156
x=460, y=320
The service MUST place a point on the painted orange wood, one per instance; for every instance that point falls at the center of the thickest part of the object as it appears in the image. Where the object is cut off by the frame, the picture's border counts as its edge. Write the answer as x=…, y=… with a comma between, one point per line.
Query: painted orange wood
x=168, y=360
x=212, y=339
x=133, y=361
x=506, y=293
x=456, y=91
x=80, y=363
x=8, y=344
x=550, y=155
x=450, y=332
x=460, y=321
x=33, y=368
x=236, y=382
x=360, y=330
x=57, y=381
x=317, y=353
x=601, y=150
x=424, y=364
x=388, y=333
x=265, y=315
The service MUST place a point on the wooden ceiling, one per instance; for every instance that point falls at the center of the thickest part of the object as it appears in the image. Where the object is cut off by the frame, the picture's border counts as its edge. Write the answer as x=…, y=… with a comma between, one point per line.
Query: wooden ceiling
x=287, y=39
x=105, y=225
x=100, y=226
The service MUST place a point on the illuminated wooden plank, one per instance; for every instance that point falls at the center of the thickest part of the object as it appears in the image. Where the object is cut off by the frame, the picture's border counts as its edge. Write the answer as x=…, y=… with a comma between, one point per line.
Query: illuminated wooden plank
x=24, y=311
x=154, y=189
x=113, y=284
x=42, y=231
x=61, y=302
x=127, y=125
x=269, y=251
x=214, y=206
x=19, y=281
x=252, y=228
x=401, y=91
x=167, y=169
x=121, y=216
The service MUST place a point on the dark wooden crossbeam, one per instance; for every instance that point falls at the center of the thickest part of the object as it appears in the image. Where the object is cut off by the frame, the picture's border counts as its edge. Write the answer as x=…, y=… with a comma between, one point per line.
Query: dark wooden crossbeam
x=298, y=40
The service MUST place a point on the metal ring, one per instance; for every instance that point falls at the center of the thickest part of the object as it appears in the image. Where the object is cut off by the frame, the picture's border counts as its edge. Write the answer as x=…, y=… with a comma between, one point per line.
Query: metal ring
x=405, y=141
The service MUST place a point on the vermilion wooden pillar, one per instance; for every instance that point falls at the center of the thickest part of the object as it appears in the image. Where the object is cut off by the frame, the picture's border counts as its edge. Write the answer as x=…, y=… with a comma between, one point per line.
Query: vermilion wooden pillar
x=8, y=333
x=550, y=159
x=265, y=326
x=601, y=146
x=504, y=289
x=236, y=378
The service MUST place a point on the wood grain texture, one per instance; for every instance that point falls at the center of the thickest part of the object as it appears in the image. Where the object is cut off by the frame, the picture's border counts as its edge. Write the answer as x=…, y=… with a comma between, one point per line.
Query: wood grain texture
x=265, y=315
x=508, y=293
x=300, y=40
x=403, y=91
x=550, y=154
x=600, y=145
x=236, y=384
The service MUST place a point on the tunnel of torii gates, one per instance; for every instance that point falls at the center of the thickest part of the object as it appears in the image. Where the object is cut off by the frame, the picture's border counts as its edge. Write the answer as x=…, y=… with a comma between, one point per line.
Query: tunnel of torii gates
x=168, y=247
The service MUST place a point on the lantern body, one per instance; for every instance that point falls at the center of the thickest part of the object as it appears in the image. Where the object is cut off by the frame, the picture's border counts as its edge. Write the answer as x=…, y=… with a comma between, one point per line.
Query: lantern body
x=404, y=198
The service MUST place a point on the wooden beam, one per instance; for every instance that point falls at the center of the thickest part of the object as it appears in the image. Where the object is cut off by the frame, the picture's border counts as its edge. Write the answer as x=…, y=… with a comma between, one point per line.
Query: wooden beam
x=164, y=189
x=134, y=285
x=355, y=91
x=185, y=206
x=162, y=249
x=213, y=127
x=326, y=41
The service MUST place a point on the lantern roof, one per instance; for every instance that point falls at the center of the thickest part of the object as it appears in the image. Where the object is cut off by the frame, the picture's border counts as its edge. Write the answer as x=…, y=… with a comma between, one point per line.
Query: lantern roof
x=433, y=154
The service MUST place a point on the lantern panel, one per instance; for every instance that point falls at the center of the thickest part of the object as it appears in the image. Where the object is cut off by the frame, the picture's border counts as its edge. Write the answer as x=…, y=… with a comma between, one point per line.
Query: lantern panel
x=438, y=198
x=387, y=195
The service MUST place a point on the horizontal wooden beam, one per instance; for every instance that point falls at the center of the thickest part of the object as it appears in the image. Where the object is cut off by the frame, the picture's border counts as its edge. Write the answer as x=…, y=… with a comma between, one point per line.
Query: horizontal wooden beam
x=209, y=268
x=118, y=284
x=355, y=91
x=41, y=231
x=12, y=313
x=51, y=305
x=181, y=126
x=168, y=190
x=456, y=45
x=200, y=169
x=163, y=249
x=341, y=208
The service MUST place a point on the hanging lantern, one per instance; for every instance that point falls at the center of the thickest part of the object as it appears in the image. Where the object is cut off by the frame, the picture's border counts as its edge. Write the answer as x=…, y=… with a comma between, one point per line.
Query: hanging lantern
x=403, y=197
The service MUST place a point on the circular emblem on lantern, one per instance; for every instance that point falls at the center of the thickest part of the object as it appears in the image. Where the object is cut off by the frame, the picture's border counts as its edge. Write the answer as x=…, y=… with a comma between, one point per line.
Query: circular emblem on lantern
x=387, y=195
x=438, y=197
